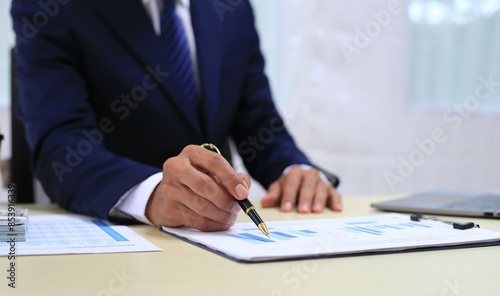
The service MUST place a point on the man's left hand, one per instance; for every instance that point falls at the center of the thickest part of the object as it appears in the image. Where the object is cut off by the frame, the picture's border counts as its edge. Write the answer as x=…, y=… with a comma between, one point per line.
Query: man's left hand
x=304, y=188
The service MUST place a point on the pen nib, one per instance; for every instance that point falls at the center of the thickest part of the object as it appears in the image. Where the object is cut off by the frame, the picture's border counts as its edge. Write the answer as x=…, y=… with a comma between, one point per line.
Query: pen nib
x=264, y=230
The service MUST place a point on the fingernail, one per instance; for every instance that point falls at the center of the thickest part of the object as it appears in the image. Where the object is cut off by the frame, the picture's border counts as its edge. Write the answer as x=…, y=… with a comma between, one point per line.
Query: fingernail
x=233, y=219
x=304, y=208
x=318, y=208
x=287, y=206
x=241, y=191
x=236, y=208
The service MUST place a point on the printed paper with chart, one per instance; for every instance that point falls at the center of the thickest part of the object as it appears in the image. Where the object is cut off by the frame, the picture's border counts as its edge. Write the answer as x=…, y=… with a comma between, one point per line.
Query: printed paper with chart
x=76, y=234
x=327, y=237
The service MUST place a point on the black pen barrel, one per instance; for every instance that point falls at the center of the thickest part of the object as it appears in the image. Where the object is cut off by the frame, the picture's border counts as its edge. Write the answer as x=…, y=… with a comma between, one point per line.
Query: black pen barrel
x=249, y=210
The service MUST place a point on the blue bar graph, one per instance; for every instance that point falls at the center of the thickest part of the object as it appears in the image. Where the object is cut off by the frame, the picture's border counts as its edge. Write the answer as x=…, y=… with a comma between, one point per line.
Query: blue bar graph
x=366, y=230
x=247, y=239
x=374, y=228
x=387, y=226
x=282, y=234
x=411, y=224
x=258, y=238
x=112, y=233
x=361, y=222
x=307, y=233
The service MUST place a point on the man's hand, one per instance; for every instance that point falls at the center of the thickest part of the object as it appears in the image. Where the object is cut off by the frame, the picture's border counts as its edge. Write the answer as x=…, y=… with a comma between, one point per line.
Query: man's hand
x=198, y=189
x=304, y=188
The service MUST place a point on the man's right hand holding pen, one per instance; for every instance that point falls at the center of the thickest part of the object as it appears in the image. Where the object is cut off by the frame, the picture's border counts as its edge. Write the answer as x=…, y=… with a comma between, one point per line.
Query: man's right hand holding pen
x=199, y=189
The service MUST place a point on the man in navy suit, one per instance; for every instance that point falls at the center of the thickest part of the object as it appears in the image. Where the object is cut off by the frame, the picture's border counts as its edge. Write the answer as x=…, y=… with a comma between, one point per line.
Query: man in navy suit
x=115, y=107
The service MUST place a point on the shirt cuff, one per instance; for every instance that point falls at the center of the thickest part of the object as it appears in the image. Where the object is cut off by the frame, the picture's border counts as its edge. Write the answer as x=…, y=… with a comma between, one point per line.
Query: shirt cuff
x=307, y=167
x=133, y=203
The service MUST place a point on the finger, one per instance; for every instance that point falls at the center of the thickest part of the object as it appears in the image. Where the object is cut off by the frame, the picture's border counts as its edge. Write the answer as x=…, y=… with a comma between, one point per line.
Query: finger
x=205, y=208
x=272, y=197
x=168, y=205
x=320, y=197
x=198, y=183
x=218, y=166
x=203, y=223
x=203, y=184
x=290, y=188
x=235, y=207
x=307, y=190
x=247, y=179
x=334, y=200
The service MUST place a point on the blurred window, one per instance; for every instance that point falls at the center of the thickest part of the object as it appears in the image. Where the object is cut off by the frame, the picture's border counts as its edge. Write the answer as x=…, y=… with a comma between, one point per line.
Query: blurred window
x=455, y=53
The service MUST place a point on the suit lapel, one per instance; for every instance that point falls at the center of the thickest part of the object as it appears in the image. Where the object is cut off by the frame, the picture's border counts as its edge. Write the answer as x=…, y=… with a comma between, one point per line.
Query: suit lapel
x=207, y=28
x=134, y=28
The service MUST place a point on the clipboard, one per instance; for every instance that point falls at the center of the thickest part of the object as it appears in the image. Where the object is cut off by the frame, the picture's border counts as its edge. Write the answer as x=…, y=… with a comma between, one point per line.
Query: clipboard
x=330, y=238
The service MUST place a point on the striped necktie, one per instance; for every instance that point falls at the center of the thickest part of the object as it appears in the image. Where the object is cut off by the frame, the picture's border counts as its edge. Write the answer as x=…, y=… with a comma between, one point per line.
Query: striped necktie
x=174, y=40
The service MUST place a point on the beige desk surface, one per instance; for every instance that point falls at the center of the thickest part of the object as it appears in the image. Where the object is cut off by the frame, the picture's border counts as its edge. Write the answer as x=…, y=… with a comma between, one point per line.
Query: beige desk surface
x=183, y=269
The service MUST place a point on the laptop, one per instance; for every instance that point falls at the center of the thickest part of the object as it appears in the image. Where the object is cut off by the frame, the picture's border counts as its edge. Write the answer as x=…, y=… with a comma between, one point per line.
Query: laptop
x=446, y=203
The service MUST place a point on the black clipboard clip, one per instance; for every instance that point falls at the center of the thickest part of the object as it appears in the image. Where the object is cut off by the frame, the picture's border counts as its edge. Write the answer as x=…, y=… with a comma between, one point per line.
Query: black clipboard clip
x=456, y=225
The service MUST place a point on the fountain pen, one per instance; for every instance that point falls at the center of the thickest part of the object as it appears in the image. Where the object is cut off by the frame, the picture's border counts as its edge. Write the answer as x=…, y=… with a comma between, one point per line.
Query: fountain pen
x=245, y=204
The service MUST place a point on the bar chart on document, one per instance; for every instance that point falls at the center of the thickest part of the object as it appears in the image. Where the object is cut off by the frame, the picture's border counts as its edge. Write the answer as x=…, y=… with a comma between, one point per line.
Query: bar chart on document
x=355, y=228
x=255, y=237
x=383, y=227
x=324, y=237
x=76, y=234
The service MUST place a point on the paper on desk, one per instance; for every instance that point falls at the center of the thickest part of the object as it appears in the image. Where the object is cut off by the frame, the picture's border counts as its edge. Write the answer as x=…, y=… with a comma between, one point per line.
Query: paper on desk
x=332, y=237
x=76, y=234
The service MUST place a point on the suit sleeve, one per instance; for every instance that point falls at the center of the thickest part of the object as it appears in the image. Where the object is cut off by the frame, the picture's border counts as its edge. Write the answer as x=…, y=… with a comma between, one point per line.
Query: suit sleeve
x=68, y=144
x=260, y=133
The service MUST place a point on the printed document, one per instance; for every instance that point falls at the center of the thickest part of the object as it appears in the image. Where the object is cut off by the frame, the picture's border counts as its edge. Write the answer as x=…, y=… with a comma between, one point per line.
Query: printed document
x=75, y=234
x=317, y=238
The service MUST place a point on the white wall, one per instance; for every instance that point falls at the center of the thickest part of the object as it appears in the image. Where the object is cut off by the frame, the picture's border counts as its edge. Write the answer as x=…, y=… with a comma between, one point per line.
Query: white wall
x=354, y=116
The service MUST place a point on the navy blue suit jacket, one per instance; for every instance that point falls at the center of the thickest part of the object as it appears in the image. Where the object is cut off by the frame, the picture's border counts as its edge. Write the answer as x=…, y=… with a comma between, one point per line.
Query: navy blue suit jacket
x=102, y=111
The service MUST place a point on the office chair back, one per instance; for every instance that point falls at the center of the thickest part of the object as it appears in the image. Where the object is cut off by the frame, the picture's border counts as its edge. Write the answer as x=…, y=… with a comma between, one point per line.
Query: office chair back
x=21, y=173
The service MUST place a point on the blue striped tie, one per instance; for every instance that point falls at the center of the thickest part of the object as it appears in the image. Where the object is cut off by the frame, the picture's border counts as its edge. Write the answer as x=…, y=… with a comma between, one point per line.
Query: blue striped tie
x=174, y=40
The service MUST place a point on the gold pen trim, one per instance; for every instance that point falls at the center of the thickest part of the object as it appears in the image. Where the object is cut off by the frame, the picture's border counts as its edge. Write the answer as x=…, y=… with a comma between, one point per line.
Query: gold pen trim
x=263, y=228
x=249, y=209
x=211, y=146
